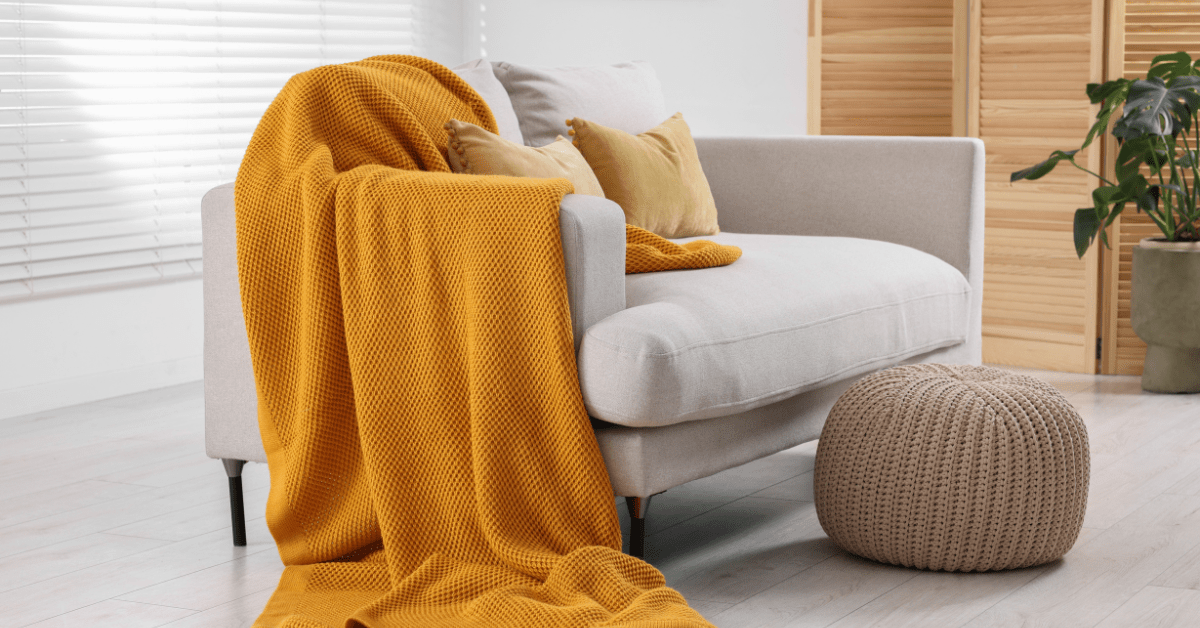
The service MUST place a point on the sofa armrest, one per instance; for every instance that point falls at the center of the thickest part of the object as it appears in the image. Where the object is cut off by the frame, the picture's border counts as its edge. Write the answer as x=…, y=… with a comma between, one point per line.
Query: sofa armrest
x=593, y=238
x=230, y=401
x=922, y=192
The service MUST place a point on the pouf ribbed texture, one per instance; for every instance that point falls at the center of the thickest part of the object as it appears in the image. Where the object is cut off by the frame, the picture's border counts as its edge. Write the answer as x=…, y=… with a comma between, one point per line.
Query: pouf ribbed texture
x=952, y=468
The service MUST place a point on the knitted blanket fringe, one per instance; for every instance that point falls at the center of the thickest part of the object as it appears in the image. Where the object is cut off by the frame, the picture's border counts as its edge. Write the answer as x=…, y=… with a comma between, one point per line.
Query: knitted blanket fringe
x=431, y=460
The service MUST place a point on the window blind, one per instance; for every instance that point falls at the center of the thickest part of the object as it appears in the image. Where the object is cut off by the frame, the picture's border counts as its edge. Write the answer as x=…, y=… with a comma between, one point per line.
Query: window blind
x=116, y=116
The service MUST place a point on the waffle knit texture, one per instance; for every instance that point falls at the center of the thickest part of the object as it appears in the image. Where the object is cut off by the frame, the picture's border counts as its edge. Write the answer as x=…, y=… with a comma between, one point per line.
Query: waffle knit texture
x=953, y=468
x=431, y=460
x=646, y=252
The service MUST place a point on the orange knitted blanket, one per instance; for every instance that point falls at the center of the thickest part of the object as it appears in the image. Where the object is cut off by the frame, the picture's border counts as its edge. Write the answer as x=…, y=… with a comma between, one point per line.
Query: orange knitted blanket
x=431, y=460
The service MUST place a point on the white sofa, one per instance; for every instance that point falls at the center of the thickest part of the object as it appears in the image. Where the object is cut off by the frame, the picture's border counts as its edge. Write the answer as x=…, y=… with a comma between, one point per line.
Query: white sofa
x=859, y=253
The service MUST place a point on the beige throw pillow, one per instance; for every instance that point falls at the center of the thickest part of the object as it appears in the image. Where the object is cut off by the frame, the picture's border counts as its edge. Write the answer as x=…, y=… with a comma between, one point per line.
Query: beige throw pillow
x=475, y=150
x=655, y=177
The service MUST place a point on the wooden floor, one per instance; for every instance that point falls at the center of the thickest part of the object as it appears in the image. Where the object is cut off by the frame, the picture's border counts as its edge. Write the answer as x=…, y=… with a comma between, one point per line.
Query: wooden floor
x=111, y=515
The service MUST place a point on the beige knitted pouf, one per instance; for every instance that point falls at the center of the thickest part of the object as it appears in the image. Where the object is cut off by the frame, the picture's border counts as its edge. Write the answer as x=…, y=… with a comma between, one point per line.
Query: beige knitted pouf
x=954, y=468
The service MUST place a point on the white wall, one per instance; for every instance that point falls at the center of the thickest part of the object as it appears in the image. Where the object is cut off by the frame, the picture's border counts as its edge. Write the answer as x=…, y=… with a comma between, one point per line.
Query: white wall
x=440, y=33
x=60, y=351
x=733, y=67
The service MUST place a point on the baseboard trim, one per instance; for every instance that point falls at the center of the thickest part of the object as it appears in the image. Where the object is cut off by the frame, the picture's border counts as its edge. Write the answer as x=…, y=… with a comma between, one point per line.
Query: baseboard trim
x=94, y=387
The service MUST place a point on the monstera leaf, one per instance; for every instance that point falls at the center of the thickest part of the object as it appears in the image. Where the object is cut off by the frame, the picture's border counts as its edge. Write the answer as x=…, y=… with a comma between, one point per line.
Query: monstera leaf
x=1167, y=67
x=1112, y=95
x=1086, y=226
x=1154, y=107
x=1098, y=92
x=1138, y=151
x=1040, y=170
x=1107, y=203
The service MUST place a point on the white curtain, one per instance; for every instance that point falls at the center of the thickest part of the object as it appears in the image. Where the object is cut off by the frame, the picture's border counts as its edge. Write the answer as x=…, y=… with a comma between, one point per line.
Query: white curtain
x=117, y=115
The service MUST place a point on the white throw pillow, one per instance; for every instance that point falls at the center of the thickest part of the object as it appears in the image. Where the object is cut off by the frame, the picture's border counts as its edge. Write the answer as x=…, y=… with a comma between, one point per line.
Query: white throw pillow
x=478, y=74
x=625, y=96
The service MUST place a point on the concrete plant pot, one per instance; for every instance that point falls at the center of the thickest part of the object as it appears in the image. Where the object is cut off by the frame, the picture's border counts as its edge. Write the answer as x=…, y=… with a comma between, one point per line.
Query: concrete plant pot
x=1165, y=312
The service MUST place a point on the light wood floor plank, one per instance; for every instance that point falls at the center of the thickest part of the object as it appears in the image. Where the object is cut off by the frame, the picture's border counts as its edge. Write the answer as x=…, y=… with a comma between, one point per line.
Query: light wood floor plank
x=62, y=499
x=799, y=488
x=116, y=613
x=1132, y=480
x=112, y=579
x=202, y=518
x=938, y=599
x=739, y=549
x=708, y=609
x=239, y=613
x=94, y=462
x=817, y=596
x=211, y=491
x=1098, y=576
x=1157, y=607
x=19, y=570
x=217, y=585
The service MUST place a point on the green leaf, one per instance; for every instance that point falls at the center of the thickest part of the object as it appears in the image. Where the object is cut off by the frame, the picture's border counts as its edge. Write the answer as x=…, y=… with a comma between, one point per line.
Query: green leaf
x=1170, y=66
x=1112, y=94
x=1189, y=88
x=1102, y=119
x=1131, y=189
x=1112, y=216
x=1148, y=202
x=1086, y=226
x=1040, y=170
x=1188, y=159
x=1099, y=93
x=1174, y=188
x=1155, y=108
x=1138, y=151
x=1116, y=197
x=1103, y=196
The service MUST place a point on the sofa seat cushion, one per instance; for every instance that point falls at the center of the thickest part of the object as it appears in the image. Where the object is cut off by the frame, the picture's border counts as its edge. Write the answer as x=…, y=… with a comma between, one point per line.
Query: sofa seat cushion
x=793, y=314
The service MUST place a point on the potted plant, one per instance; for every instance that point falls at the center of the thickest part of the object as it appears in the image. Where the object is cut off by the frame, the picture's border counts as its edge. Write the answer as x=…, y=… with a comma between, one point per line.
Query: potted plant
x=1157, y=170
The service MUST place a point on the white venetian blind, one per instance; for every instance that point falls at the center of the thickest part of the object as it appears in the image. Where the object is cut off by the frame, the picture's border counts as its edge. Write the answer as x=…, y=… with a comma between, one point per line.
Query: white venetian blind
x=117, y=115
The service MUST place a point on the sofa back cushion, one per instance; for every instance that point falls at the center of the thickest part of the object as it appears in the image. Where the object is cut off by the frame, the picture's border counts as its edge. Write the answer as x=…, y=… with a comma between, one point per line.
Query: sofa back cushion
x=478, y=74
x=625, y=96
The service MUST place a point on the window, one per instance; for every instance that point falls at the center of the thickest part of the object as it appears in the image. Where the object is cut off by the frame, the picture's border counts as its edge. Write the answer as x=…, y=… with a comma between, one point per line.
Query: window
x=116, y=116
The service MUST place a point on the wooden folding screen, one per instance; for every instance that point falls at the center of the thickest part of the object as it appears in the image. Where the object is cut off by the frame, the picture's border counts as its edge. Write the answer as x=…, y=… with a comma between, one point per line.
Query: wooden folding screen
x=1138, y=31
x=882, y=67
x=1032, y=60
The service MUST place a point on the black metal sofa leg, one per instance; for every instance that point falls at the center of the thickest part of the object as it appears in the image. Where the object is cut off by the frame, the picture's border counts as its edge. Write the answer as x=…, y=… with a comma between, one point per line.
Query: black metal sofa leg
x=637, y=524
x=237, y=510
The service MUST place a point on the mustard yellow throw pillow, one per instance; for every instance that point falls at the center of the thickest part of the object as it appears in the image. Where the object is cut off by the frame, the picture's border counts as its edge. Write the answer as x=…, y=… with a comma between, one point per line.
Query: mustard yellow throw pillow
x=475, y=150
x=655, y=177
